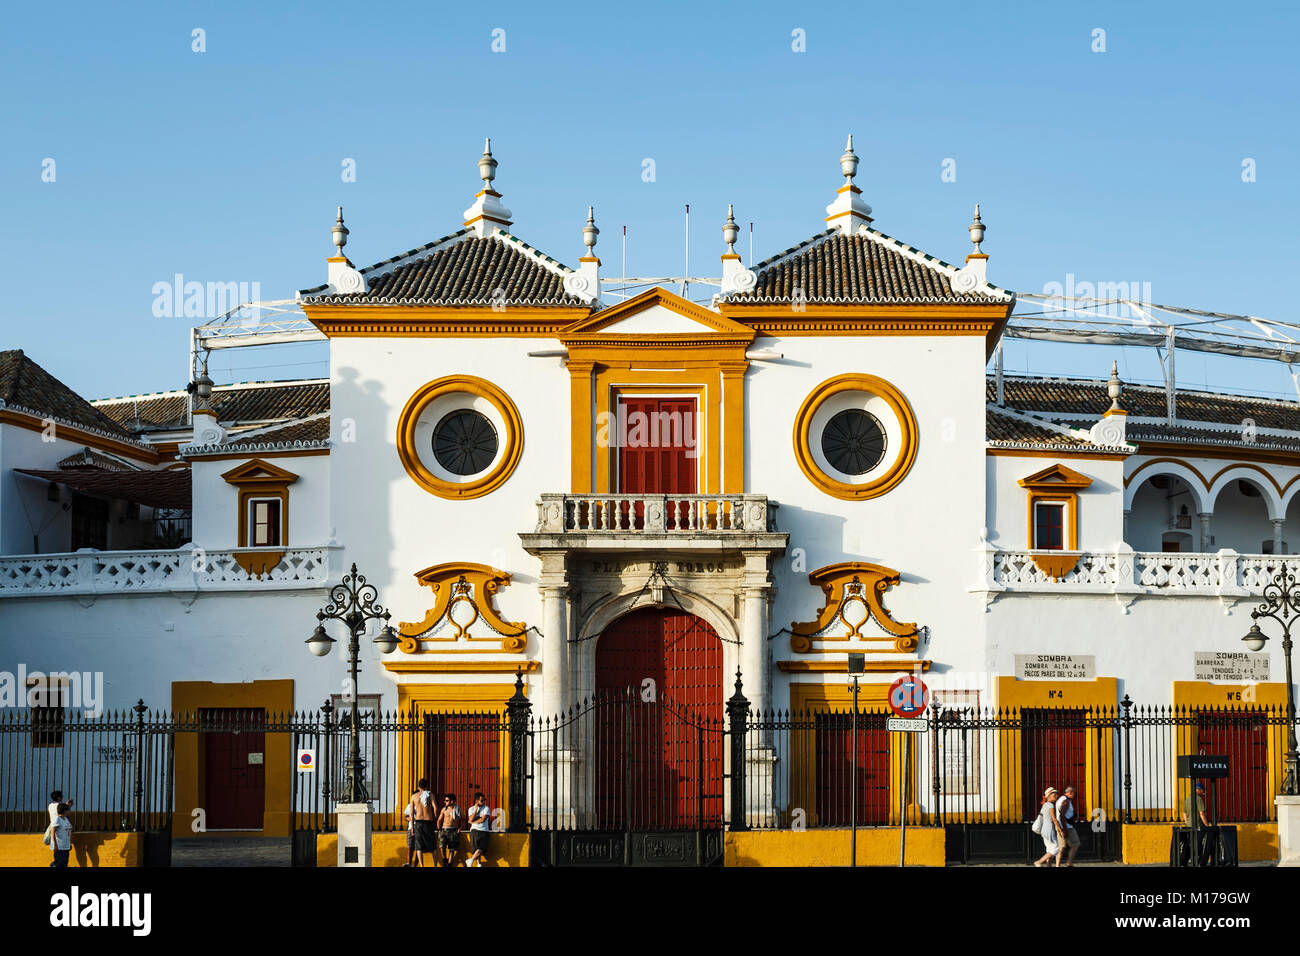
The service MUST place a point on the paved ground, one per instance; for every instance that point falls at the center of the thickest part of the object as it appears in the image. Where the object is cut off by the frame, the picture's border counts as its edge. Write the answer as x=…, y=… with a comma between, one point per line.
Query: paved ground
x=239, y=851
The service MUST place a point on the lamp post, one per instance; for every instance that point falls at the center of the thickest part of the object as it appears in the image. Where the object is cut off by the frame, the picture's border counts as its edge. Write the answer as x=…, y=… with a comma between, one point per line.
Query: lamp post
x=353, y=603
x=1282, y=604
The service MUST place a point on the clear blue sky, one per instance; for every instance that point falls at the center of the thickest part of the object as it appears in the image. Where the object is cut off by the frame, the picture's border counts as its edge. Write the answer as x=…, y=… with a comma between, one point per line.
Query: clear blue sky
x=225, y=165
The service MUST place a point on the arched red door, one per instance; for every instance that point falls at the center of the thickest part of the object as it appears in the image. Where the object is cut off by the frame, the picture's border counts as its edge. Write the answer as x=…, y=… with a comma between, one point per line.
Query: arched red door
x=658, y=757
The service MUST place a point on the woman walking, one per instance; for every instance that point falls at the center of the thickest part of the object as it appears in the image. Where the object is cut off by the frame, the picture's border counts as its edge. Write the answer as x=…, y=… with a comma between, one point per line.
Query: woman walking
x=1050, y=828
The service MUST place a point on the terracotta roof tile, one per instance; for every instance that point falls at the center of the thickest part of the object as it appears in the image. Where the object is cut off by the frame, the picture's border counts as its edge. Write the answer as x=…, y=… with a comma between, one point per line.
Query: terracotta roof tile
x=246, y=403
x=1010, y=429
x=25, y=384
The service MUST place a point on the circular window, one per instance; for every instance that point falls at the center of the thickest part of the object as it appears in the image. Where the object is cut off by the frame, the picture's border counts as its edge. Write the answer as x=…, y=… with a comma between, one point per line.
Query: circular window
x=459, y=437
x=465, y=442
x=855, y=436
x=854, y=441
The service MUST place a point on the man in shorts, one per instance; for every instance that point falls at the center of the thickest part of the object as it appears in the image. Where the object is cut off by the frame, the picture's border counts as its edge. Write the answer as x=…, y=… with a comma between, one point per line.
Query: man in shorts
x=480, y=820
x=1065, y=812
x=421, y=807
x=448, y=828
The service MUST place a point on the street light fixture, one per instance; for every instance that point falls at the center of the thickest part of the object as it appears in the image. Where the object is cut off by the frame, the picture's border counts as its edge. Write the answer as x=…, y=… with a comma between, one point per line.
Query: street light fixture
x=353, y=603
x=1282, y=604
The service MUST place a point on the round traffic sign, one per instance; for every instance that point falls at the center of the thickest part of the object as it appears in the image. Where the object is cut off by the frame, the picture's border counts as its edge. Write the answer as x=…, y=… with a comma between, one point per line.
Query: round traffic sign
x=908, y=696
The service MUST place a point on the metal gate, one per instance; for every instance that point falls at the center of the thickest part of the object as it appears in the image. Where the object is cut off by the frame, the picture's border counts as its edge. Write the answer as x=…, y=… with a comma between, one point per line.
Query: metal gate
x=628, y=779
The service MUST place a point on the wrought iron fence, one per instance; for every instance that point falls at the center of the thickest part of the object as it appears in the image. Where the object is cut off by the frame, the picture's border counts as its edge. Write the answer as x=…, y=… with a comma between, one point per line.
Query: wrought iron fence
x=617, y=762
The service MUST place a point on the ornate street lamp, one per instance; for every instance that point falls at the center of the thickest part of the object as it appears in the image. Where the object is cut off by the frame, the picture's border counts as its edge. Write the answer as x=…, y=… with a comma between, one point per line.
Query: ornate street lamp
x=1282, y=604
x=353, y=603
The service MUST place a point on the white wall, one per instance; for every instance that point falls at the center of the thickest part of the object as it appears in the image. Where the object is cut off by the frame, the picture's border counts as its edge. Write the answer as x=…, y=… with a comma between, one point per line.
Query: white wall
x=1101, y=504
x=216, y=501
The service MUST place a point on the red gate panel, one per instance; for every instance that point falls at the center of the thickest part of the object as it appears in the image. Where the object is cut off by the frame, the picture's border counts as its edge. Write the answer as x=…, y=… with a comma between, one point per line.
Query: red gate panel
x=1243, y=737
x=836, y=769
x=234, y=769
x=658, y=753
x=463, y=756
x=1053, y=754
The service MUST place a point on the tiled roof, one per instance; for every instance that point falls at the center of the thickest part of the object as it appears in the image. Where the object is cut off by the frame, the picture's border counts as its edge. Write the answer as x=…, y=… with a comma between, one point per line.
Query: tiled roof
x=1239, y=436
x=462, y=270
x=867, y=267
x=89, y=458
x=311, y=432
x=1007, y=429
x=250, y=402
x=25, y=384
x=157, y=489
x=1088, y=397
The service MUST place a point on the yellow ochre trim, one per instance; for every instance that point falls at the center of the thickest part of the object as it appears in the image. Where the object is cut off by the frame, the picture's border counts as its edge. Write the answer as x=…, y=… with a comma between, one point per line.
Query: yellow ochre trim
x=909, y=438
x=513, y=439
x=273, y=696
x=443, y=579
x=462, y=667
x=1056, y=483
x=875, y=580
x=261, y=479
x=894, y=666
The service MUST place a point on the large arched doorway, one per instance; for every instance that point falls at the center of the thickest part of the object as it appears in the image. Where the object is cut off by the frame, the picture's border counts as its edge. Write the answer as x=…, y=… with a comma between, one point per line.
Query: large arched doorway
x=658, y=757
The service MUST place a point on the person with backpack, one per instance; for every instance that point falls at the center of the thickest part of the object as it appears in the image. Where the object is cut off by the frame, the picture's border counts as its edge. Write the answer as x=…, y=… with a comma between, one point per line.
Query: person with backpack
x=59, y=836
x=1049, y=828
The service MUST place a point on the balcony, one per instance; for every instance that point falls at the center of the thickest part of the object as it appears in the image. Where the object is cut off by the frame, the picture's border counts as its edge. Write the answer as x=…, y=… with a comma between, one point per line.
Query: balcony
x=1223, y=574
x=617, y=521
x=186, y=569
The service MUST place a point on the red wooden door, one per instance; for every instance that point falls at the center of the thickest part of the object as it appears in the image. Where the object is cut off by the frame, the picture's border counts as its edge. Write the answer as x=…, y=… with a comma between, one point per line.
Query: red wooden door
x=462, y=756
x=1053, y=754
x=1242, y=796
x=234, y=771
x=658, y=753
x=658, y=452
x=836, y=776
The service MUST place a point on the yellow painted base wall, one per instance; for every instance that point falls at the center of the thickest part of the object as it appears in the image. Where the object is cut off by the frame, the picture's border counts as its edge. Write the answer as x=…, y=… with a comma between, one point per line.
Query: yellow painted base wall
x=88, y=849
x=389, y=849
x=877, y=846
x=1149, y=842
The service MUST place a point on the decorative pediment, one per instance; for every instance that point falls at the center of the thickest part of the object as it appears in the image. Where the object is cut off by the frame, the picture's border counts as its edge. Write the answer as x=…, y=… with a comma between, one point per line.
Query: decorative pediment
x=463, y=612
x=654, y=314
x=1055, y=477
x=258, y=473
x=854, y=593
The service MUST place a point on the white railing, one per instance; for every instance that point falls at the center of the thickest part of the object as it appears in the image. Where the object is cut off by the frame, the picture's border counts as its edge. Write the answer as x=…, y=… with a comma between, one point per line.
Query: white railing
x=1124, y=571
x=143, y=572
x=654, y=514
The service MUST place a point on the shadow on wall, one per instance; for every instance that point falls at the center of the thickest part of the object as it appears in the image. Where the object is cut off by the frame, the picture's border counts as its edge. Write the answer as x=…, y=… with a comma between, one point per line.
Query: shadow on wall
x=364, y=467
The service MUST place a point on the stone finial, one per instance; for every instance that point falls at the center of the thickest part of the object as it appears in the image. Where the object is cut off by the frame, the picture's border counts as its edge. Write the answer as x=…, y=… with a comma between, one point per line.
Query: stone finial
x=342, y=276
x=977, y=229
x=1114, y=388
x=487, y=213
x=340, y=232
x=730, y=231
x=849, y=212
x=590, y=232
x=735, y=277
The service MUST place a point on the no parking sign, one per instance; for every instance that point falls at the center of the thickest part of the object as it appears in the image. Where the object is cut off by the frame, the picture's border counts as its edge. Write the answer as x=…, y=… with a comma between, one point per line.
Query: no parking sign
x=306, y=761
x=908, y=696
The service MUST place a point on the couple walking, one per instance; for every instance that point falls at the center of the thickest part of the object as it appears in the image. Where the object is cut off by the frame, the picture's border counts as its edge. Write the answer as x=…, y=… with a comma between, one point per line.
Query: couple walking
x=1055, y=823
x=427, y=833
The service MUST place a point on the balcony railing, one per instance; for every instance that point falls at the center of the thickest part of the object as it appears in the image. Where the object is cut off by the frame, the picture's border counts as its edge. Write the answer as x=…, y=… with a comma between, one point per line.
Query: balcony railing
x=184, y=569
x=1223, y=573
x=628, y=514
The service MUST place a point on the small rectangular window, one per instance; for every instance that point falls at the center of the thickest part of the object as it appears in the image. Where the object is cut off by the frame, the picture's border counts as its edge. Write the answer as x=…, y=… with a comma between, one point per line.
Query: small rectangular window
x=264, y=523
x=1049, y=526
x=47, y=699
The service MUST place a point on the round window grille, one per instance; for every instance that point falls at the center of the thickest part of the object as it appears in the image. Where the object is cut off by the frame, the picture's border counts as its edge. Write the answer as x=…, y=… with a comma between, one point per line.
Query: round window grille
x=465, y=442
x=853, y=441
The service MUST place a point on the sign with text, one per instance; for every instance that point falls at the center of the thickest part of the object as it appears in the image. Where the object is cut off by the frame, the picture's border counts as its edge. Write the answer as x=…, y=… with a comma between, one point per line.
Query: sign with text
x=907, y=725
x=1203, y=765
x=1231, y=665
x=1056, y=667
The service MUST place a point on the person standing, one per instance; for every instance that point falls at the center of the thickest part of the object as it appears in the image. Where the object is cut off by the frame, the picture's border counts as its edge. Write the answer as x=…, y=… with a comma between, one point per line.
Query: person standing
x=61, y=839
x=1200, y=806
x=421, y=807
x=480, y=822
x=1065, y=813
x=56, y=797
x=1050, y=828
x=409, y=813
x=448, y=829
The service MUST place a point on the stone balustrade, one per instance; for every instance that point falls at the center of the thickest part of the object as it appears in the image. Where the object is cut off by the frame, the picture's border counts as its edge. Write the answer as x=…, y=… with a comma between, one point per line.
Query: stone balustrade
x=633, y=514
x=184, y=569
x=1125, y=571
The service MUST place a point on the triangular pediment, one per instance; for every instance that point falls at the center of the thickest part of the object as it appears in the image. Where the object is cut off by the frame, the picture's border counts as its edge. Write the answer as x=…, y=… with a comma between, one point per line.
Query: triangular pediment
x=657, y=313
x=259, y=472
x=1057, y=476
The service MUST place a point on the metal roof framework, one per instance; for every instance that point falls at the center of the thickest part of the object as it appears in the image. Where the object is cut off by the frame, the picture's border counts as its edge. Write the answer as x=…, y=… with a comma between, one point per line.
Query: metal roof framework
x=1037, y=316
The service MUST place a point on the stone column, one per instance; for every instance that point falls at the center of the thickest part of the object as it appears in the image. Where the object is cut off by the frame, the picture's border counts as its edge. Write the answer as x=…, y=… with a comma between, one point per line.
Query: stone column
x=1124, y=533
x=755, y=655
x=1205, y=531
x=554, y=589
x=1277, y=535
